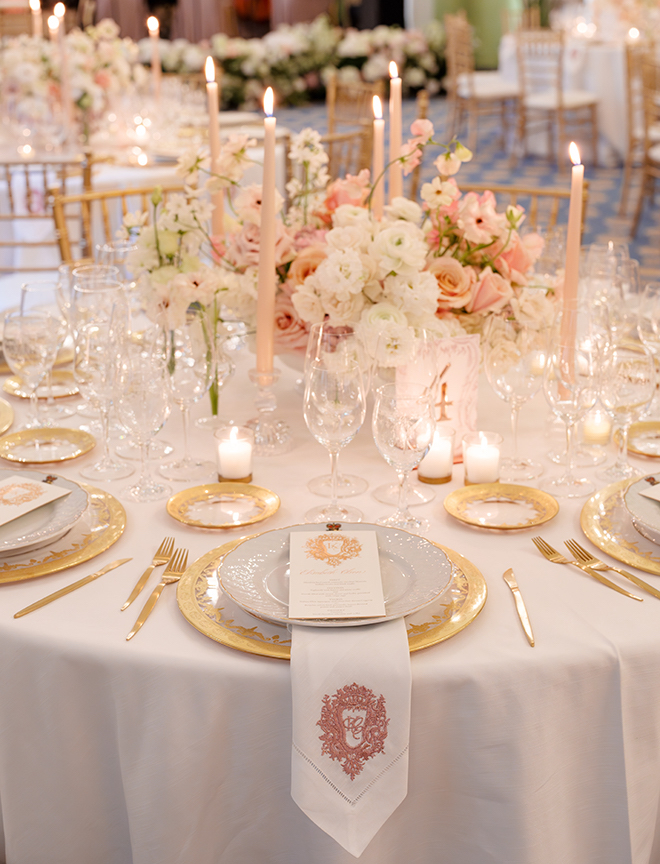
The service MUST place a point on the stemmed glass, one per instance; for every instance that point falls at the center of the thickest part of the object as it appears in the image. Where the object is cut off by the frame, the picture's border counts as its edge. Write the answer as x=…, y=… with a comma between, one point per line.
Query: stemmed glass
x=648, y=328
x=627, y=389
x=30, y=343
x=99, y=320
x=403, y=423
x=330, y=345
x=334, y=409
x=189, y=358
x=570, y=383
x=143, y=405
x=514, y=360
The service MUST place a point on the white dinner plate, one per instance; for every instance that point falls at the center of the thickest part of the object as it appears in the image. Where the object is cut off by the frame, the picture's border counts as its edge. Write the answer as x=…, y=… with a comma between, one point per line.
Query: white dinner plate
x=644, y=512
x=256, y=574
x=45, y=524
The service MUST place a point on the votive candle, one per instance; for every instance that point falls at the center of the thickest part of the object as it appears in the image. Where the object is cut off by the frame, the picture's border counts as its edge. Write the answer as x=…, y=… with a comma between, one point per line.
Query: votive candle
x=481, y=457
x=234, y=453
x=438, y=464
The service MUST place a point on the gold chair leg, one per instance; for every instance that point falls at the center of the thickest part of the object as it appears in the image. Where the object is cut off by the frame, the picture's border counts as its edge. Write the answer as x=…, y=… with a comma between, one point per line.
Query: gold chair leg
x=625, y=183
x=640, y=204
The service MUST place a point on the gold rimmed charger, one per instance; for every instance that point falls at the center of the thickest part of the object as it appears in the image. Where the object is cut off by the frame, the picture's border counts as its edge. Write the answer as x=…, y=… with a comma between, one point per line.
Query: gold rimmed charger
x=6, y=416
x=501, y=506
x=64, y=356
x=215, y=615
x=605, y=521
x=62, y=384
x=223, y=505
x=101, y=525
x=643, y=438
x=42, y=446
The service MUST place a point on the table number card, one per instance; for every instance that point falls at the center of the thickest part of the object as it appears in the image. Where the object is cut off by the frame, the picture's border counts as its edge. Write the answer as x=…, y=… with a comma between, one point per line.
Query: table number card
x=20, y=495
x=335, y=574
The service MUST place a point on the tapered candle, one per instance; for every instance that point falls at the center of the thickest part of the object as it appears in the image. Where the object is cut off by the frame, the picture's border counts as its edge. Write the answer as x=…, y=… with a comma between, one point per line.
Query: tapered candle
x=266, y=277
x=213, y=101
x=37, y=22
x=53, y=27
x=573, y=242
x=396, y=173
x=56, y=30
x=378, y=179
x=153, y=27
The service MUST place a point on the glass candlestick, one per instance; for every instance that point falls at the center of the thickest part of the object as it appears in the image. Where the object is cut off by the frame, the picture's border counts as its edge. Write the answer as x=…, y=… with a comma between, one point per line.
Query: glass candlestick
x=271, y=436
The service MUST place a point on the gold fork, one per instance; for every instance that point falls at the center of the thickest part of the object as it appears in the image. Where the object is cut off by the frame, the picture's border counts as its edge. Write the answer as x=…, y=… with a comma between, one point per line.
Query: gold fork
x=162, y=556
x=585, y=557
x=557, y=558
x=175, y=570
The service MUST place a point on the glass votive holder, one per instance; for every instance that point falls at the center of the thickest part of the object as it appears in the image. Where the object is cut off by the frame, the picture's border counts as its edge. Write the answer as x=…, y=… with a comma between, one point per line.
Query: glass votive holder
x=596, y=428
x=481, y=457
x=234, y=453
x=438, y=464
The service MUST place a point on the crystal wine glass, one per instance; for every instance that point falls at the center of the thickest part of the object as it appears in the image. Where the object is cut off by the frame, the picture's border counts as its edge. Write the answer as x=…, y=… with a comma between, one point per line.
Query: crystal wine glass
x=648, y=328
x=334, y=409
x=403, y=423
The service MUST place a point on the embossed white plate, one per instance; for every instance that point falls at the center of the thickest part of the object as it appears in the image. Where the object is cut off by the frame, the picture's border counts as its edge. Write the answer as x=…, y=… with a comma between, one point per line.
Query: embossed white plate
x=256, y=574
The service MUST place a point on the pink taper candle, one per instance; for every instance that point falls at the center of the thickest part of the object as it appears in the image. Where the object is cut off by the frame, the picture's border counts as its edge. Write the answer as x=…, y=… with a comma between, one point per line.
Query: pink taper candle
x=37, y=23
x=53, y=27
x=56, y=29
x=377, y=177
x=266, y=281
x=396, y=173
x=213, y=102
x=153, y=26
x=573, y=243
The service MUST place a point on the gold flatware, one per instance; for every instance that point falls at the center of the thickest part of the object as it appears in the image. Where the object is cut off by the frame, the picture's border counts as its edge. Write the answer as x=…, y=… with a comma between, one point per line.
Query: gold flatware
x=161, y=556
x=69, y=588
x=521, y=609
x=175, y=570
x=557, y=558
x=587, y=558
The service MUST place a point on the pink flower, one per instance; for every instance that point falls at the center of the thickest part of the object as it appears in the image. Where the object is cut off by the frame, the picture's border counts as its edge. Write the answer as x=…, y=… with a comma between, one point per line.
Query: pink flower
x=306, y=262
x=411, y=153
x=478, y=219
x=490, y=294
x=290, y=330
x=422, y=129
x=348, y=190
x=516, y=260
x=309, y=236
x=243, y=248
x=454, y=282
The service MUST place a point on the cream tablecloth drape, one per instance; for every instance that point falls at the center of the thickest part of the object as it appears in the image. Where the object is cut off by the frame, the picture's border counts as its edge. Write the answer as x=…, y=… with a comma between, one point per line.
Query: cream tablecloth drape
x=174, y=749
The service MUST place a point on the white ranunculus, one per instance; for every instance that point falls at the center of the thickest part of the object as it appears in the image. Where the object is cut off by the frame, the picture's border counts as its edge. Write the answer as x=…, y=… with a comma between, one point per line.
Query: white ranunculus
x=416, y=295
x=399, y=248
x=341, y=274
x=347, y=215
x=406, y=210
x=348, y=238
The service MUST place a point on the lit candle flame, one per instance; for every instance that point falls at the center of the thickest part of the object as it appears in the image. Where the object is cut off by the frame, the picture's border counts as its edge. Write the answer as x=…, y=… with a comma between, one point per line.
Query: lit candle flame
x=394, y=70
x=35, y=5
x=209, y=70
x=53, y=23
x=574, y=153
x=153, y=24
x=60, y=10
x=378, y=108
x=633, y=33
x=233, y=433
x=269, y=101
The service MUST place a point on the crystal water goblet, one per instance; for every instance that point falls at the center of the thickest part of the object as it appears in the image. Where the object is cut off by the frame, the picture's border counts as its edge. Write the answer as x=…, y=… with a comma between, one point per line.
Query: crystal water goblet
x=648, y=329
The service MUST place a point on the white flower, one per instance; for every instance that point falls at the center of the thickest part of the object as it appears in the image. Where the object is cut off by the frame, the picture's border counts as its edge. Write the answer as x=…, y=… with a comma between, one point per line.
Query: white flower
x=343, y=309
x=348, y=215
x=406, y=210
x=533, y=308
x=308, y=305
x=439, y=193
x=416, y=295
x=399, y=248
x=349, y=238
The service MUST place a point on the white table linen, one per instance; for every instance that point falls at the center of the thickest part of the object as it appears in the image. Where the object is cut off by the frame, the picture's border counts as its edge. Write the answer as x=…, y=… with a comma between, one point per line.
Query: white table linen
x=174, y=749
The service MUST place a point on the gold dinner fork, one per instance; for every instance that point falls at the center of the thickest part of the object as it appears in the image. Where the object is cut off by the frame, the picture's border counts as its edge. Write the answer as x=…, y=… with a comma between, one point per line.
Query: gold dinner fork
x=557, y=558
x=162, y=556
x=175, y=570
x=585, y=557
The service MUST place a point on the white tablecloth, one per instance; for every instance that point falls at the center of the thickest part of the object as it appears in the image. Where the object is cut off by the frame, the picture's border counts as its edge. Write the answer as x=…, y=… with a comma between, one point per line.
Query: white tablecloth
x=172, y=749
x=600, y=68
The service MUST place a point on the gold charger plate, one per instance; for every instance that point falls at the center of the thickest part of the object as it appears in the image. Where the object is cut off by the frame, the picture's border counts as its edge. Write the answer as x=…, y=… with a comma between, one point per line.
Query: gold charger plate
x=6, y=416
x=63, y=384
x=64, y=356
x=101, y=525
x=58, y=445
x=215, y=615
x=606, y=521
x=503, y=506
x=643, y=438
x=206, y=506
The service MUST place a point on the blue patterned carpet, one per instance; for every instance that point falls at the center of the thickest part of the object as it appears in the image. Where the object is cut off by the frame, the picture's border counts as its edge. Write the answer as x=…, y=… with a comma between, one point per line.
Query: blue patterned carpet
x=492, y=165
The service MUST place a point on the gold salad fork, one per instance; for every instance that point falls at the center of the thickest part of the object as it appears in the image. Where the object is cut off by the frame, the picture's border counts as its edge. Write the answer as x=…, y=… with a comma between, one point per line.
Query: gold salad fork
x=587, y=558
x=175, y=570
x=162, y=556
x=557, y=558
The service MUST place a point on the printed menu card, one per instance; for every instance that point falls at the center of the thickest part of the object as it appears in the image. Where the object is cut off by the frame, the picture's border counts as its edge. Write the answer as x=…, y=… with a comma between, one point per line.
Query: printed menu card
x=335, y=574
x=20, y=495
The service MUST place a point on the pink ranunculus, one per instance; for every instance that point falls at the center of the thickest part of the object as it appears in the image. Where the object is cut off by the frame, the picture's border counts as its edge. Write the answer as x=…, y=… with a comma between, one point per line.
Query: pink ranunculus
x=516, y=259
x=291, y=332
x=352, y=189
x=454, y=282
x=243, y=247
x=490, y=294
x=422, y=129
x=306, y=262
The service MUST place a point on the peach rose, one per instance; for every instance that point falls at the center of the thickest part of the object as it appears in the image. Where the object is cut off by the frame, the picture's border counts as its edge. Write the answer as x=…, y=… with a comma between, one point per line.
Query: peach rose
x=517, y=258
x=306, y=262
x=490, y=294
x=454, y=282
x=349, y=190
x=291, y=333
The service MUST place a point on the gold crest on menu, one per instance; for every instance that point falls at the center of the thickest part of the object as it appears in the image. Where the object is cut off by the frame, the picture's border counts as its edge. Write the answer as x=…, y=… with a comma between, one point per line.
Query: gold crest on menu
x=333, y=549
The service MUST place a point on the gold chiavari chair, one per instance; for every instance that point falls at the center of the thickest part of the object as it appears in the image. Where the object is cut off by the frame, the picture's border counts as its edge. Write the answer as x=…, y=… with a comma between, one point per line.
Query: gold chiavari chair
x=545, y=104
x=348, y=152
x=527, y=18
x=15, y=21
x=349, y=106
x=650, y=67
x=100, y=215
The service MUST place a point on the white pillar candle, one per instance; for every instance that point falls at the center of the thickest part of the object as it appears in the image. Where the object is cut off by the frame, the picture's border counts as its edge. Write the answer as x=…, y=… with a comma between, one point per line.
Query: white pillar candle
x=596, y=428
x=396, y=171
x=234, y=453
x=481, y=457
x=153, y=26
x=378, y=179
x=438, y=464
x=37, y=22
x=213, y=102
x=266, y=277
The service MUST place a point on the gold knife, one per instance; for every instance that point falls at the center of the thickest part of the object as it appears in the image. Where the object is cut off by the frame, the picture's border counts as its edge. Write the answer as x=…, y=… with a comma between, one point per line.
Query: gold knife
x=69, y=588
x=510, y=580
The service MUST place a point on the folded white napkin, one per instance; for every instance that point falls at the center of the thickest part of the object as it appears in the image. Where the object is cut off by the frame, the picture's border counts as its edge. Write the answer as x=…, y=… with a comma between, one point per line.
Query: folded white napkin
x=351, y=727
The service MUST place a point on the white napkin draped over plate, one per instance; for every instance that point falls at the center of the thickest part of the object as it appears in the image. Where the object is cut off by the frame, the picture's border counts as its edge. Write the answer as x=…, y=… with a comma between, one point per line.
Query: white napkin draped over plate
x=351, y=727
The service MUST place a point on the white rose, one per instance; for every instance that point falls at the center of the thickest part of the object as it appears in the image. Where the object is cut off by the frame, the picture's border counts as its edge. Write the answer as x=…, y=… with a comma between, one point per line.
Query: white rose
x=344, y=310
x=400, y=249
